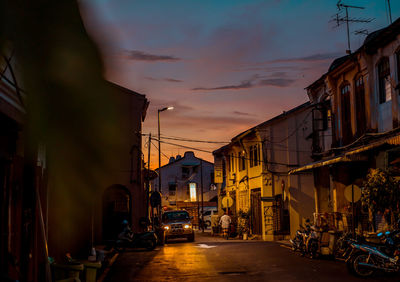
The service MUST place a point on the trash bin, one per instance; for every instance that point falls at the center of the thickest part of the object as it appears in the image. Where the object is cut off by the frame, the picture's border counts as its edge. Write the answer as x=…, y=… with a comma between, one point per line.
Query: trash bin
x=90, y=270
x=67, y=271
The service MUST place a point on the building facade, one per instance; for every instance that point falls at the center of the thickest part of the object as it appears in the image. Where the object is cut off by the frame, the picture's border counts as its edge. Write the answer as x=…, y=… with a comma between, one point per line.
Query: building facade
x=359, y=99
x=186, y=182
x=123, y=193
x=253, y=171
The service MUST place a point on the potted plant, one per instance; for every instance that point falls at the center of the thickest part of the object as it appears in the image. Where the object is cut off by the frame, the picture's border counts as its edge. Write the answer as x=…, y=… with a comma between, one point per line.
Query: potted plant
x=381, y=195
x=243, y=224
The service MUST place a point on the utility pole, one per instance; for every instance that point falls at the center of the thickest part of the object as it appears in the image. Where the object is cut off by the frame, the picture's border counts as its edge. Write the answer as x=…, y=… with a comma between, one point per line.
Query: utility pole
x=202, y=202
x=148, y=179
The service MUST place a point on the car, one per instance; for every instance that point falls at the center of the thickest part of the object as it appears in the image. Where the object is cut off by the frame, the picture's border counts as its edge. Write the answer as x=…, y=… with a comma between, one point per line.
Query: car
x=177, y=224
x=207, y=216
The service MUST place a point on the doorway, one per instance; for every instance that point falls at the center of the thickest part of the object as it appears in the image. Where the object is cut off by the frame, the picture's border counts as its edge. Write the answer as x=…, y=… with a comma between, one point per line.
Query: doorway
x=116, y=208
x=256, y=227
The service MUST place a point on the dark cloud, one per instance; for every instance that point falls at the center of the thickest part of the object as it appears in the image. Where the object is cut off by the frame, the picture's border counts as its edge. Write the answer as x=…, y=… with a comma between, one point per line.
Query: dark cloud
x=242, y=113
x=276, y=79
x=310, y=58
x=163, y=79
x=243, y=85
x=172, y=80
x=143, y=56
x=279, y=82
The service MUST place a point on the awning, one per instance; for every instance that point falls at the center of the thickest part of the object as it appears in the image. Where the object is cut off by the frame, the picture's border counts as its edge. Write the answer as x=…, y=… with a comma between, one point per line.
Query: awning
x=349, y=156
x=319, y=164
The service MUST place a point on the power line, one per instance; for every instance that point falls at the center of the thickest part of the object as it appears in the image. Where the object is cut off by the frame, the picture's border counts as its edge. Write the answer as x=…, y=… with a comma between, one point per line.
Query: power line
x=164, y=155
x=237, y=157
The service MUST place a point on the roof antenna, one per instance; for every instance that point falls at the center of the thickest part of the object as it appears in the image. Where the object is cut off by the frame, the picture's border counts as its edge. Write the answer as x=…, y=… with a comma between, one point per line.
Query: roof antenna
x=389, y=11
x=345, y=19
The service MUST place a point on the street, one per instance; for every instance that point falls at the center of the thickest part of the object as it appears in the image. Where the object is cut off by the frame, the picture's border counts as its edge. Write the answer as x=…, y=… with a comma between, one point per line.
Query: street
x=213, y=258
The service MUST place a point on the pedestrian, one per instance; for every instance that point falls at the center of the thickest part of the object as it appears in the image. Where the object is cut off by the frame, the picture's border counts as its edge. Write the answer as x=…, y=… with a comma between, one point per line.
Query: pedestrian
x=225, y=222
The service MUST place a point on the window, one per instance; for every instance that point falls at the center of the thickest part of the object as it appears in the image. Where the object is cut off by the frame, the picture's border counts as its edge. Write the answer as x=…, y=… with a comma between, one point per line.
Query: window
x=232, y=162
x=360, y=105
x=192, y=188
x=346, y=114
x=185, y=172
x=385, y=93
x=172, y=189
x=254, y=155
x=242, y=161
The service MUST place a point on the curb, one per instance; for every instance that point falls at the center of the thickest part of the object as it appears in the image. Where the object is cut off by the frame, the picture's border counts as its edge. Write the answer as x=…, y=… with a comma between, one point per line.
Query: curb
x=108, y=268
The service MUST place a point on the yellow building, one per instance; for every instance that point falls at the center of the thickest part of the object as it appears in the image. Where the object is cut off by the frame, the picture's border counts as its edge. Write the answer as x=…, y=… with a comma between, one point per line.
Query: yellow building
x=253, y=171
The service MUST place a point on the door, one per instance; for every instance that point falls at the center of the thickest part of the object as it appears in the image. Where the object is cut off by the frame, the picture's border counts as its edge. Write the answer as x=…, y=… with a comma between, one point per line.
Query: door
x=256, y=218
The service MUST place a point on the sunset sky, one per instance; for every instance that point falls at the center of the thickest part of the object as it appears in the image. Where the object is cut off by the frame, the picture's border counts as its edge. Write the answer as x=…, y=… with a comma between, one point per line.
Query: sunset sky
x=224, y=65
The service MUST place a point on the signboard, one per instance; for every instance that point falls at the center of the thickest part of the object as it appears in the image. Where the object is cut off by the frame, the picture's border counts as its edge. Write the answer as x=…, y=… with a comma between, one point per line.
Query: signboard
x=348, y=193
x=218, y=174
x=227, y=202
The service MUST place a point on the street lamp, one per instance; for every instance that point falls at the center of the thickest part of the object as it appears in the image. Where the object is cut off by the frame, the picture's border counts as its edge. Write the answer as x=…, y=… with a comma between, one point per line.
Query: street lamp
x=159, y=146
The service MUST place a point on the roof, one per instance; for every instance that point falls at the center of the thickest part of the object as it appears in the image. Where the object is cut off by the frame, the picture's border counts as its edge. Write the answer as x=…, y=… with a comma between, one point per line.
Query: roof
x=249, y=131
x=371, y=43
x=186, y=162
x=278, y=117
x=337, y=62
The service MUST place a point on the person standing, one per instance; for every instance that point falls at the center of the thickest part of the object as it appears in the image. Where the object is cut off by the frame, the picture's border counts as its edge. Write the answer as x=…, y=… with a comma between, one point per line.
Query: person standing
x=225, y=222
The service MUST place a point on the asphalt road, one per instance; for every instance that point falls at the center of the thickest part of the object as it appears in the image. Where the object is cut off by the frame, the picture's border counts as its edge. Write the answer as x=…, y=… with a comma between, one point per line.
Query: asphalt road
x=216, y=259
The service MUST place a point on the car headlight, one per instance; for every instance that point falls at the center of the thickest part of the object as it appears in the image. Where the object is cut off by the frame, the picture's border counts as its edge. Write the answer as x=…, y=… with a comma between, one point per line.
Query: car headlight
x=186, y=226
x=166, y=227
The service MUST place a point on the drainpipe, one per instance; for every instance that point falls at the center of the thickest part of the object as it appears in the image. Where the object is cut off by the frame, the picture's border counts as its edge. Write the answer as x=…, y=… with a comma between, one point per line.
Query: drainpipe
x=247, y=178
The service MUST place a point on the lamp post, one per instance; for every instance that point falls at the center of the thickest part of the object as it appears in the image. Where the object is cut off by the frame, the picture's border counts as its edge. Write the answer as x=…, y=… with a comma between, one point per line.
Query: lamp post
x=159, y=146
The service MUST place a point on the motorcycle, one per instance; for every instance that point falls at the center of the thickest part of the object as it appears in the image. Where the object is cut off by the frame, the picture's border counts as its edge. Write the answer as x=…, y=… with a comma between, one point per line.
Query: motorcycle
x=366, y=258
x=312, y=243
x=128, y=239
x=343, y=247
x=299, y=242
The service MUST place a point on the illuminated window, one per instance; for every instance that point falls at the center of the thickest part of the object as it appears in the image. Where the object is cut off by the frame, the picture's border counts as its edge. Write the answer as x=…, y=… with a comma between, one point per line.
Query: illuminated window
x=192, y=188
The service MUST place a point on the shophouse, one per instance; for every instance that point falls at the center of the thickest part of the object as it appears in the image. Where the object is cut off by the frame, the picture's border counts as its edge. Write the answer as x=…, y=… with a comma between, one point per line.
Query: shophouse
x=252, y=170
x=186, y=183
x=358, y=98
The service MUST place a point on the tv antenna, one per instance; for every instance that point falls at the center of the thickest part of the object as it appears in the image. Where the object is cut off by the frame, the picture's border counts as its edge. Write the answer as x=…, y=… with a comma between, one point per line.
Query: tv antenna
x=345, y=19
x=388, y=11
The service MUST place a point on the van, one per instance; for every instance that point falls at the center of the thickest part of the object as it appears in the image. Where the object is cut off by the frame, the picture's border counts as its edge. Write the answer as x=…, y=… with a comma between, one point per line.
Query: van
x=207, y=216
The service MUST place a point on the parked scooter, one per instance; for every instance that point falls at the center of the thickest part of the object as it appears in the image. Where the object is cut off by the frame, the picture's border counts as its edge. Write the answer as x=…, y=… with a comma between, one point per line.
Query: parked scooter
x=128, y=239
x=299, y=242
x=366, y=258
